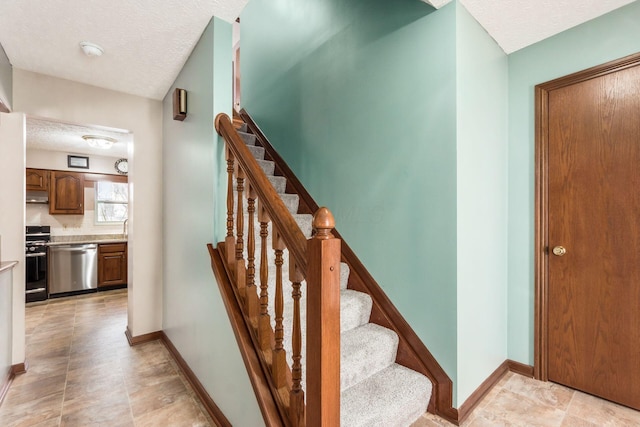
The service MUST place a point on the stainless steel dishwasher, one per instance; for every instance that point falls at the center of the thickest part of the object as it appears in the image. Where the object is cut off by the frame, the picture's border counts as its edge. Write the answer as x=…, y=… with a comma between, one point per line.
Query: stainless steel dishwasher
x=73, y=267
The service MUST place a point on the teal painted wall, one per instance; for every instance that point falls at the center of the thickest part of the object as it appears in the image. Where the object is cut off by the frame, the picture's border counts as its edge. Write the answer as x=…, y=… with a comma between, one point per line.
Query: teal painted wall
x=359, y=97
x=609, y=37
x=194, y=316
x=482, y=103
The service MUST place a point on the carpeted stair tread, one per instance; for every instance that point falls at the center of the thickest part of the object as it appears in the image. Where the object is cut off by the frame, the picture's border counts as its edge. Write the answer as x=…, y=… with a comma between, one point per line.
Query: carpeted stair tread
x=242, y=128
x=256, y=151
x=278, y=182
x=248, y=138
x=291, y=201
x=393, y=397
x=344, y=275
x=267, y=166
x=365, y=350
x=305, y=222
x=355, y=309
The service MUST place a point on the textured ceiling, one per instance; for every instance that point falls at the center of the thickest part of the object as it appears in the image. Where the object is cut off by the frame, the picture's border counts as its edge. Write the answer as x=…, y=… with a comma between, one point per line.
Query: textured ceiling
x=56, y=136
x=145, y=42
x=515, y=24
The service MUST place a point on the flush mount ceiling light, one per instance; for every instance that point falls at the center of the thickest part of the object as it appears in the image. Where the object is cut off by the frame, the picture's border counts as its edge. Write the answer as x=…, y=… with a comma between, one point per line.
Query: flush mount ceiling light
x=91, y=49
x=97, y=141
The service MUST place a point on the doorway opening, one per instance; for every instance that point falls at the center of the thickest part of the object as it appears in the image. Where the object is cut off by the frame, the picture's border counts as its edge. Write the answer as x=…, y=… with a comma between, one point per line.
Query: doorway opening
x=80, y=207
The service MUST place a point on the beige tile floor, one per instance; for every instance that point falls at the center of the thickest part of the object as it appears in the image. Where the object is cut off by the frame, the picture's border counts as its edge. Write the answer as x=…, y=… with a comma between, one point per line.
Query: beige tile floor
x=521, y=401
x=82, y=371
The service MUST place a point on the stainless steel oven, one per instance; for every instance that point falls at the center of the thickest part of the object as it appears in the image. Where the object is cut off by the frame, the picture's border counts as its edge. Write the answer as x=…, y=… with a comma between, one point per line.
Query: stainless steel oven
x=36, y=262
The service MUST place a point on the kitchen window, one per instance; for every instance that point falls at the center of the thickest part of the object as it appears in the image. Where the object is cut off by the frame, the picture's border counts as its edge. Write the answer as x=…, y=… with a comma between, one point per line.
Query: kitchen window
x=112, y=202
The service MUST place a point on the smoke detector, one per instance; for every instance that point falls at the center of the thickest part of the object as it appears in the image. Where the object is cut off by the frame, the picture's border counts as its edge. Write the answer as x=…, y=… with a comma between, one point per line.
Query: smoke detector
x=91, y=49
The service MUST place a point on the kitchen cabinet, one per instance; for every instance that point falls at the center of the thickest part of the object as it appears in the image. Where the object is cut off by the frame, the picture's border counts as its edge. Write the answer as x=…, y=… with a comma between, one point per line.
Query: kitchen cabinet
x=66, y=193
x=112, y=264
x=37, y=180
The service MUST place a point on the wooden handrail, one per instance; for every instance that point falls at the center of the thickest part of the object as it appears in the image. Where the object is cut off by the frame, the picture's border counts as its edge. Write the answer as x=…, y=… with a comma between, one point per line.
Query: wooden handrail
x=316, y=260
x=278, y=212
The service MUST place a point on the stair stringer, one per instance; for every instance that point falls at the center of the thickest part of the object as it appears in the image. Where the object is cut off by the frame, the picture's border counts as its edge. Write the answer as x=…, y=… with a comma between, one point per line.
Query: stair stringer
x=412, y=352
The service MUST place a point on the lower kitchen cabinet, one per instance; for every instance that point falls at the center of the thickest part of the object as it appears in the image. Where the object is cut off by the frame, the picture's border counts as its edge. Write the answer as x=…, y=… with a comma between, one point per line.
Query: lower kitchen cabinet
x=112, y=264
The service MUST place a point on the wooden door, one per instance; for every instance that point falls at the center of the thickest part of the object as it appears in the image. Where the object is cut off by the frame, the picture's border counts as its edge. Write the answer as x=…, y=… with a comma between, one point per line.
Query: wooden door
x=593, y=245
x=66, y=195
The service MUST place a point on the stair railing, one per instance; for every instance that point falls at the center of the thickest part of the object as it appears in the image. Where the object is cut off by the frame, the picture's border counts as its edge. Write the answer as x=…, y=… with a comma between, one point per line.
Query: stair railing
x=316, y=260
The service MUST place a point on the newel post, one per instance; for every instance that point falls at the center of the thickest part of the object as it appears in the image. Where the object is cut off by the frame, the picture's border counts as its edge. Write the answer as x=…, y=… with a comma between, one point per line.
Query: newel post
x=323, y=323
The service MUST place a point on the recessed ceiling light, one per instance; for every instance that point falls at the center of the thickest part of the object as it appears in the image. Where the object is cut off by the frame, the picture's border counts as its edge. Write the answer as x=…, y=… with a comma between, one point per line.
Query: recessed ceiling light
x=91, y=49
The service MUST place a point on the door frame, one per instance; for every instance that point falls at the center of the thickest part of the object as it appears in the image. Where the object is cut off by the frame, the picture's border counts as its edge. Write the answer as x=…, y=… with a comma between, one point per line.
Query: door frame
x=541, y=233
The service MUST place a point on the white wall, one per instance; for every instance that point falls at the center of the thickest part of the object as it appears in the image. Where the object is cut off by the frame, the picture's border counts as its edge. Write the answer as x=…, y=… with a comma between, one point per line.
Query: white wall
x=6, y=322
x=482, y=100
x=58, y=99
x=12, y=153
x=5, y=79
x=57, y=160
x=195, y=318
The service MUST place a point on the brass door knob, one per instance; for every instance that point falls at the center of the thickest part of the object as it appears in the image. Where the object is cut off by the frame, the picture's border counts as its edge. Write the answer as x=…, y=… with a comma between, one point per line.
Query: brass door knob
x=559, y=251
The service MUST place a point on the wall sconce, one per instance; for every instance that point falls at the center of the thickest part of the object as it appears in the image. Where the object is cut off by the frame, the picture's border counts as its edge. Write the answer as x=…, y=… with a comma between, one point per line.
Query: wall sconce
x=179, y=104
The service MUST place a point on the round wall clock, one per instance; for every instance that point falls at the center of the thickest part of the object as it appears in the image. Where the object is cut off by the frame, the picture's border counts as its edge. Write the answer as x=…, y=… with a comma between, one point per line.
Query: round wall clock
x=122, y=166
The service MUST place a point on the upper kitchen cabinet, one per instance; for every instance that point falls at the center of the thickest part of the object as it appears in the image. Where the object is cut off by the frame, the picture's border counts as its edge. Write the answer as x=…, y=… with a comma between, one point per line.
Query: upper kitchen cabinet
x=37, y=180
x=66, y=194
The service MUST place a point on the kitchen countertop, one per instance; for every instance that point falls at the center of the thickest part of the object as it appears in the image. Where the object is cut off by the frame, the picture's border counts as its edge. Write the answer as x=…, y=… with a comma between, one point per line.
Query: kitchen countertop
x=88, y=238
x=7, y=265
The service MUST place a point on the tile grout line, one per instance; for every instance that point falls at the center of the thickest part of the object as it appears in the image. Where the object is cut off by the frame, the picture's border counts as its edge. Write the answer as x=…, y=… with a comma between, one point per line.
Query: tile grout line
x=66, y=376
x=566, y=412
x=126, y=387
x=39, y=323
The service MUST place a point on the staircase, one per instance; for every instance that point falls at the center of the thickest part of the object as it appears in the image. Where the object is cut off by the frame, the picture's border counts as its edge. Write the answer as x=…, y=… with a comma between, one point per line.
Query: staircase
x=376, y=382
x=375, y=391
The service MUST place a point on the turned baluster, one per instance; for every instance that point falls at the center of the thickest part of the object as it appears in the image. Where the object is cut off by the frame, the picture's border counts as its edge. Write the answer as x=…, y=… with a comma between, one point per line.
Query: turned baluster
x=251, y=301
x=264, y=321
x=229, y=241
x=279, y=364
x=323, y=323
x=296, y=396
x=240, y=266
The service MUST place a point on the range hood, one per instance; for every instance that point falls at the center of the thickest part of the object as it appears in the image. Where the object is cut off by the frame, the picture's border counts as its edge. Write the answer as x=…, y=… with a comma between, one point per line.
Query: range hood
x=37, y=197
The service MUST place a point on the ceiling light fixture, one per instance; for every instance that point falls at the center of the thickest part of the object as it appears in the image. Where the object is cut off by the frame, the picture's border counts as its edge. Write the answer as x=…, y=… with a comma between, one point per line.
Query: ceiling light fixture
x=91, y=49
x=96, y=141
